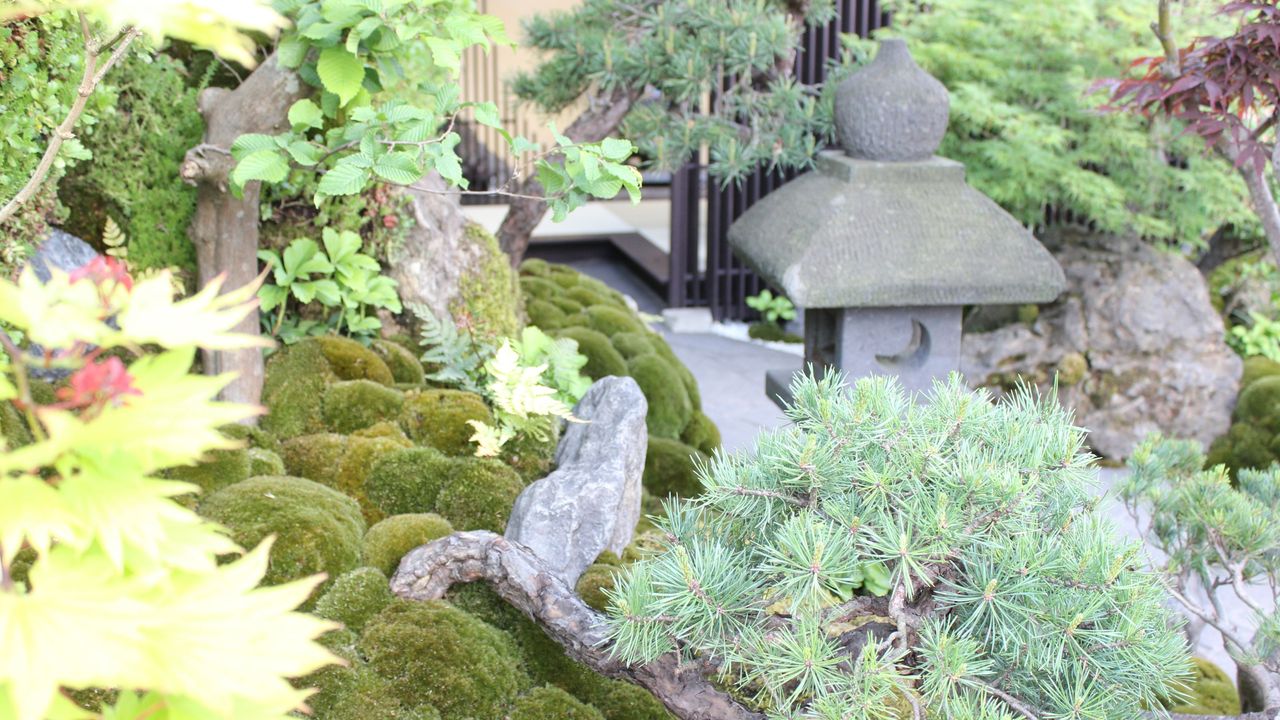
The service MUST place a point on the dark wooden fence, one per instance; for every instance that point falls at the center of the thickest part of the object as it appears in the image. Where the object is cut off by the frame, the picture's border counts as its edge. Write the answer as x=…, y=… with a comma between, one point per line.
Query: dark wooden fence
x=723, y=283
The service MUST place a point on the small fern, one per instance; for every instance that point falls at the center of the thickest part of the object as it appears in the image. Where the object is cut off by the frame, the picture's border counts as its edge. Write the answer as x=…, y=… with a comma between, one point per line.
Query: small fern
x=115, y=240
x=460, y=358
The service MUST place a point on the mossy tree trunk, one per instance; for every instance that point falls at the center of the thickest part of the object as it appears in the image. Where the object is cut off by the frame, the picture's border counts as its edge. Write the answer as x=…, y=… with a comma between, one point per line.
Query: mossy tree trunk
x=225, y=228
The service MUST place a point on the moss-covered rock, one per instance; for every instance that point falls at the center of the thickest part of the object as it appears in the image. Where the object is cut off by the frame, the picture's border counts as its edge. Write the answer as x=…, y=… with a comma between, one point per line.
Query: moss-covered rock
x=669, y=407
x=670, y=468
x=702, y=434
x=350, y=360
x=602, y=359
x=479, y=495
x=549, y=702
x=355, y=597
x=1210, y=692
x=409, y=481
x=340, y=462
x=356, y=404
x=431, y=653
x=387, y=541
x=611, y=320
x=544, y=314
x=438, y=418
x=265, y=462
x=293, y=391
x=633, y=344
x=593, y=582
x=490, y=296
x=317, y=529
x=404, y=365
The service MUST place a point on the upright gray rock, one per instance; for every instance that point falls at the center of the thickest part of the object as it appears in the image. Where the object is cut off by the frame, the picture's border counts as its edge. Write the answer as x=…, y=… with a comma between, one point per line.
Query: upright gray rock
x=1135, y=343
x=63, y=251
x=591, y=503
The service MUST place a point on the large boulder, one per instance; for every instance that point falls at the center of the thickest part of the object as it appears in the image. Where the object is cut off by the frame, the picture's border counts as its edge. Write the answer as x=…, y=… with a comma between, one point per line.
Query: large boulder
x=1135, y=344
x=591, y=502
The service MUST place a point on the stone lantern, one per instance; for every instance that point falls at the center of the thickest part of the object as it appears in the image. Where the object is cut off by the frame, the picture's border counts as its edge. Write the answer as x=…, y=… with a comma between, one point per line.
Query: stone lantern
x=883, y=243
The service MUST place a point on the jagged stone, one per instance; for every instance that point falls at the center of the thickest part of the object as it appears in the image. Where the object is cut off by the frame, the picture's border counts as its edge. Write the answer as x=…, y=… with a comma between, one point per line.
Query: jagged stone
x=591, y=502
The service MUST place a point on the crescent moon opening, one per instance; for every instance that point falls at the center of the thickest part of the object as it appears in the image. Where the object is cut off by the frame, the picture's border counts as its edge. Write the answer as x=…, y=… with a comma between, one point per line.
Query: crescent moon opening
x=914, y=355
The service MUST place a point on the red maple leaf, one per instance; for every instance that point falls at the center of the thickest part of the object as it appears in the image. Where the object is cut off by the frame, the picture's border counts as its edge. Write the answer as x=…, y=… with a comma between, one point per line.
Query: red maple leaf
x=102, y=270
x=98, y=384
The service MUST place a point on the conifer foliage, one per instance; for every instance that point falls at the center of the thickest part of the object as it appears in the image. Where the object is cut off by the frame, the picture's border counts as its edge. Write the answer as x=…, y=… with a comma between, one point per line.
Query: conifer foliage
x=882, y=555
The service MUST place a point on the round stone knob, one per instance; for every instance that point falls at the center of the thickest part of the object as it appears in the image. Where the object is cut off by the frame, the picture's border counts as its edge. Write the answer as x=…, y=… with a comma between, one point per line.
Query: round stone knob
x=891, y=110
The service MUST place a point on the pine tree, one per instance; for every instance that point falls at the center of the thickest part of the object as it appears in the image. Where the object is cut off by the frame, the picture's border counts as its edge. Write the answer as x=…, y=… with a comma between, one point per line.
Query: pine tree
x=881, y=554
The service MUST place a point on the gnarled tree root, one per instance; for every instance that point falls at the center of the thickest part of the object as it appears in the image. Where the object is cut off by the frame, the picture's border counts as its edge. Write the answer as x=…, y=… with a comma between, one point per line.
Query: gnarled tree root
x=516, y=574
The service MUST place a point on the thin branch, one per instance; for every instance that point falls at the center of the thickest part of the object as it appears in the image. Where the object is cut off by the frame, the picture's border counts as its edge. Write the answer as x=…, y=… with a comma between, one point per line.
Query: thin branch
x=92, y=76
x=1163, y=28
x=1020, y=707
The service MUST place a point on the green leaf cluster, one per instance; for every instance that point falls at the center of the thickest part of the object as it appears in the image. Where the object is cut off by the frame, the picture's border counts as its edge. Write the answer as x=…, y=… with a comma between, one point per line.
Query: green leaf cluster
x=337, y=277
x=1032, y=135
x=884, y=550
x=686, y=51
x=773, y=308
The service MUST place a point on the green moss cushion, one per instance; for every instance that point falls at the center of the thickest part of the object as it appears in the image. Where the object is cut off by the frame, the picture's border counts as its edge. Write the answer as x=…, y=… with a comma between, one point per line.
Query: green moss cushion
x=352, y=361
x=219, y=469
x=366, y=695
x=593, y=582
x=293, y=391
x=488, y=296
x=431, y=653
x=670, y=468
x=480, y=495
x=536, y=267
x=702, y=434
x=403, y=364
x=341, y=462
x=611, y=320
x=317, y=529
x=544, y=315
x=355, y=597
x=539, y=288
x=409, y=480
x=1210, y=692
x=670, y=409
x=549, y=702
x=356, y=404
x=631, y=344
x=569, y=307
x=387, y=542
x=602, y=359
x=530, y=457
x=665, y=352
x=588, y=297
x=438, y=418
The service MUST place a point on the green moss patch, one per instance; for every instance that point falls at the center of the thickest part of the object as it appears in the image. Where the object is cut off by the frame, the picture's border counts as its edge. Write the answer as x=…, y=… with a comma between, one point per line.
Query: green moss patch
x=387, y=542
x=480, y=495
x=701, y=433
x=438, y=418
x=670, y=468
x=409, y=481
x=404, y=365
x=670, y=409
x=355, y=597
x=549, y=702
x=293, y=391
x=352, y=361
x=340, y=462
x=357, y=404
x=602, y=359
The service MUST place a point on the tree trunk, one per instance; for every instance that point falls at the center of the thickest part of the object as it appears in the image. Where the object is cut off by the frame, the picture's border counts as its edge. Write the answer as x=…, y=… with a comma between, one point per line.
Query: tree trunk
x=603, y=116
x=516, y=574
x=435, y=256
x=225, y=228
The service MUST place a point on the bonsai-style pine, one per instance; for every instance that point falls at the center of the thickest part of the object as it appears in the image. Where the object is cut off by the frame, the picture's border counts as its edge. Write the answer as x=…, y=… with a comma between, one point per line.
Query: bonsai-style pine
x=878, y=558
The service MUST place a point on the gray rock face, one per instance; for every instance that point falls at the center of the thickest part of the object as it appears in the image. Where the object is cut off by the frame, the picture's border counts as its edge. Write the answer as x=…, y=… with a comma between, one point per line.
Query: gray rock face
x=591, y=502
x=1135, y=342
x=892, y=110
x=63, y=251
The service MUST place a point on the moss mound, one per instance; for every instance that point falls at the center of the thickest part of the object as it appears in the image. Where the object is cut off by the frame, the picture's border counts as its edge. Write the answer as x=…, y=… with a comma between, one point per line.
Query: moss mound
x=544, y=314
x=1257, y=367
x=480, y=495
x=438, y=418
x=317, y=529
x=357, y=404
x=409, y=480
x=340, y=462
x=549, y=702
x=352, y=361
x=364, y=696
x=385, y=429
x=702, y=434
x=536, y=267
x=531, y=458
x=594, y=581
x=633, y=344
x=293, y=390
x=1210, y=692
x=611, y=320
x=1253, y=441
x=431, y=653
x=388, y=541
x=265, y=462
x=602, y=359
x=670, y=409
x=404, y=365
x=219, y=469
x=355, y=597
x=670, y=468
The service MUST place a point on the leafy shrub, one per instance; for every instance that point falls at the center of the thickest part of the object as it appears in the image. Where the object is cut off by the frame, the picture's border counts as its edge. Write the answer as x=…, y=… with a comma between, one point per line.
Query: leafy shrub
x=317, y=529
x=1260, y=337
x=387, y=542
x=969, y=525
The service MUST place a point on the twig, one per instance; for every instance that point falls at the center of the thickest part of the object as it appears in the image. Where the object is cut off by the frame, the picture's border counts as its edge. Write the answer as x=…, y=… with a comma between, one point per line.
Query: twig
x=1163, y=29
x=1020, y=707
x=93, y=74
